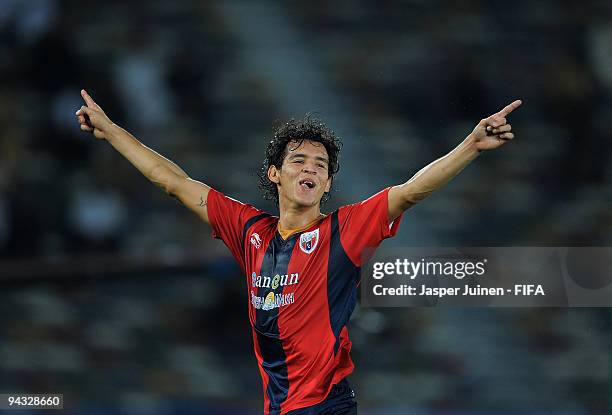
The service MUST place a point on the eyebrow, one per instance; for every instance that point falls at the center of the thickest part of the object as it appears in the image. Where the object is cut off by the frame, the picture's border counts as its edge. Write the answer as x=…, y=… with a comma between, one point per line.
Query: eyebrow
x=319, y=158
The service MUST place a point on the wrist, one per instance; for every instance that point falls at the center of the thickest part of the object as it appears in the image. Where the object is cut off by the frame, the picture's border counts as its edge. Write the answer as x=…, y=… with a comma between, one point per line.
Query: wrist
x=472, y=146
x=113, y=132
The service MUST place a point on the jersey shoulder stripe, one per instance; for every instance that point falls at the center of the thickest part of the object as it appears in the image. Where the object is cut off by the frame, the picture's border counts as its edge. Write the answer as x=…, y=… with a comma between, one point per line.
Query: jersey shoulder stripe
x=252, y=222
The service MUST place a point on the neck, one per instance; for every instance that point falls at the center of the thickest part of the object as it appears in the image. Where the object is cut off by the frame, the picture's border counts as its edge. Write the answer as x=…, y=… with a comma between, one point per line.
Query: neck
x=293, y=217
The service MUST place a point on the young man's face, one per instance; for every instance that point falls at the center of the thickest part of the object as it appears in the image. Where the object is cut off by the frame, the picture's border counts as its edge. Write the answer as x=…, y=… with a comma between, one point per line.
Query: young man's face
x=304, y=175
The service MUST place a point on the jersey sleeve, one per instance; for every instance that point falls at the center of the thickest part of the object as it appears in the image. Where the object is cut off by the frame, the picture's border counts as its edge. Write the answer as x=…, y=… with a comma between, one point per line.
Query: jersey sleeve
x=364, y=225
x=228, y=218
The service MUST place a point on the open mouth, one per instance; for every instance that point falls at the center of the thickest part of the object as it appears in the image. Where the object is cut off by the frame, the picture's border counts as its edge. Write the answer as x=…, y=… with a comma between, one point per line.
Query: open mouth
x=307, y=184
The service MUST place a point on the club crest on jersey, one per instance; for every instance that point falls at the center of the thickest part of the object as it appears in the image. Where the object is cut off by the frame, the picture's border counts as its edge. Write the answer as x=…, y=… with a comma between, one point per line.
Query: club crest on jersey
x=309, y=241
x=256, y=240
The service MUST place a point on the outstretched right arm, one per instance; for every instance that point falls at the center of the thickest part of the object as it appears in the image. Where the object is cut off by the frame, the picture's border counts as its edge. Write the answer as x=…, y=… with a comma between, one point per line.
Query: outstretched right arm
x=155, y=167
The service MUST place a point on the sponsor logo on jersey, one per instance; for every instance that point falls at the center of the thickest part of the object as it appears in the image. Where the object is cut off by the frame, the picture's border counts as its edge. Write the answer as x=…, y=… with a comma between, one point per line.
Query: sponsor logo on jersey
x=256, y=240
x=309, y=241
x=271, y=300
x=275, y=281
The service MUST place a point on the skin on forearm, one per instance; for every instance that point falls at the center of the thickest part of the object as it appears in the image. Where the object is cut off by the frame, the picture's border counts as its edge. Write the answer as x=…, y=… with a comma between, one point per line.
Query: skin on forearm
x=155, y=167
x=490, y=133
x=431, y=177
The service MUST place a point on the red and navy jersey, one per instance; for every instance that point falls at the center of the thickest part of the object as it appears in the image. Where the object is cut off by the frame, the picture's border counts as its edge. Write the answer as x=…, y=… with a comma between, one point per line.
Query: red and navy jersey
x=301, y=290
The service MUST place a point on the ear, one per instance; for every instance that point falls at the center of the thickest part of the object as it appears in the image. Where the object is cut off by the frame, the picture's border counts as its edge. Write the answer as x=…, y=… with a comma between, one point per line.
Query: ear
x=274, y=174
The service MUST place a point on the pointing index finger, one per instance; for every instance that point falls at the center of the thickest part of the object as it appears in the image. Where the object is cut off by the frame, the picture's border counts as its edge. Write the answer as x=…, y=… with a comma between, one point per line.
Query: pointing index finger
x=509, y=108
x=88, y=100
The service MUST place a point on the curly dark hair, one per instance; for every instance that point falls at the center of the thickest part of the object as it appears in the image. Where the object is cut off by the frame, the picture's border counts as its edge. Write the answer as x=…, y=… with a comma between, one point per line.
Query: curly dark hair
x=309, y=128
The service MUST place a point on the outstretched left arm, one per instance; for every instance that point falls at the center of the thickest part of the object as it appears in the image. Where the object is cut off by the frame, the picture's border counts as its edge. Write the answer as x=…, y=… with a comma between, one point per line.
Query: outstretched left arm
x=490, y=133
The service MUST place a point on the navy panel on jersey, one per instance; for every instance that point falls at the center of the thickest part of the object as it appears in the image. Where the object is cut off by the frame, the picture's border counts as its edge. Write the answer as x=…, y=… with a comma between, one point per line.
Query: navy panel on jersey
x=275, y=366
x=342, y=277
x=276, y=261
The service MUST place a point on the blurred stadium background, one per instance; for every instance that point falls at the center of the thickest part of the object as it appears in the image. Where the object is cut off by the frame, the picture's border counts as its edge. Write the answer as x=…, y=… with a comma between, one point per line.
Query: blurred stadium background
x=114, y=295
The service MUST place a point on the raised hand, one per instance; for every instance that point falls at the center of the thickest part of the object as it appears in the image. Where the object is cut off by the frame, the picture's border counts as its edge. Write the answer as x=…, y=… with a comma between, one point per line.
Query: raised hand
x=92, y=119
x=495, y=131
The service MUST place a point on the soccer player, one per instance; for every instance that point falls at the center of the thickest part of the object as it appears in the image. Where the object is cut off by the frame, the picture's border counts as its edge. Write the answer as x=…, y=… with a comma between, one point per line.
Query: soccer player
x=302, y=267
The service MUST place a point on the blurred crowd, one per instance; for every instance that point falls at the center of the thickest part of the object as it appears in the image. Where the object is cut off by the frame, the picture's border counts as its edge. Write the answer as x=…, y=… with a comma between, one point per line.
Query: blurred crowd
x=403, y=82
x=181, y=344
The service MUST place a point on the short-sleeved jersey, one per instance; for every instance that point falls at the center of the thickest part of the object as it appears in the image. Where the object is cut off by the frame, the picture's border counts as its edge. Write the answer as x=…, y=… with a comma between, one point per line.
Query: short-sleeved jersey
x=301, y=291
